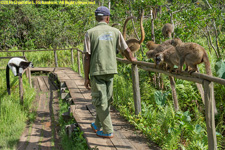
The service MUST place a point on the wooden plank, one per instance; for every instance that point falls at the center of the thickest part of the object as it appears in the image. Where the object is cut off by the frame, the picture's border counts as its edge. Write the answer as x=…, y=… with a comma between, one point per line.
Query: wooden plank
x=128, y=131
x=70, y=84
x=84, y=120
x=46, y=134
x=55, y=124
x=46, y=81
x=120, y=141
x=62, y=77
x=23, y=142
x=42, y=84
x=79, y=81
x=73, y=75
x=37, y=126
x=23, y=139
x=41, y=69
x=209, y=114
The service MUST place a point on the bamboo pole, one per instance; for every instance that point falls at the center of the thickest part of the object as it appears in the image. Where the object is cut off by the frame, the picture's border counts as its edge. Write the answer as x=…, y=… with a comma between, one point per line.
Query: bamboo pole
x=78, y=62
x=56, y=61
x=136, y=89
x=209, y=114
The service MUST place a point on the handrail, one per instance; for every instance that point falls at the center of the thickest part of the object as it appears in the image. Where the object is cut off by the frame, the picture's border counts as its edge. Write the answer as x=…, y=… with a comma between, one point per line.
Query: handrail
x=42, y=50
x=205, y=80
x=195, y=77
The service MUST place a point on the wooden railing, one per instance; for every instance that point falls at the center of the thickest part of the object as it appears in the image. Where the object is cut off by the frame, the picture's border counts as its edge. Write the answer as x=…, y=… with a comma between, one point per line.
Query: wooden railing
x=55, y=55
x=205, y=80
x=27, y=70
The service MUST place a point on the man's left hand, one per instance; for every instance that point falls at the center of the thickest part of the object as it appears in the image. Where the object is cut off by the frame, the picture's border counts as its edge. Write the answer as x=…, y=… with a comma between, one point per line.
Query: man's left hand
x=87, y=84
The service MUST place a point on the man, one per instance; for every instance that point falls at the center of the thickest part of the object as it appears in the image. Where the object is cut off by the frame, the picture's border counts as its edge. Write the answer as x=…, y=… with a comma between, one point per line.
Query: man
x=100, y=46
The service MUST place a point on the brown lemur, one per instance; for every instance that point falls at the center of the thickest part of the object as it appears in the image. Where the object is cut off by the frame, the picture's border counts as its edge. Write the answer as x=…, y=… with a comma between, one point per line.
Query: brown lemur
x=133, y=43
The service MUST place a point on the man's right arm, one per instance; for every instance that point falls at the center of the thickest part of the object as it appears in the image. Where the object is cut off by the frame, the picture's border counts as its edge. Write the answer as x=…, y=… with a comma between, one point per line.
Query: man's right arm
x=87, y=59
x=128, y=54
x=87, y=70
x=126, y=51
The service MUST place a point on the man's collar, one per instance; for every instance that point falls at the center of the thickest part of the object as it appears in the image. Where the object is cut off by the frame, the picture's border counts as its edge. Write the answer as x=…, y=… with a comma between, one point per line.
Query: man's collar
x=102, y=23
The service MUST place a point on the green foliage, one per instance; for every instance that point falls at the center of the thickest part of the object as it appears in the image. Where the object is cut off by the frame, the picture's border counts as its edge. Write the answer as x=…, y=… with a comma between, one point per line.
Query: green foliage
x=28, y=26
x=77, y=141
x=220, y=68
x=160, y=98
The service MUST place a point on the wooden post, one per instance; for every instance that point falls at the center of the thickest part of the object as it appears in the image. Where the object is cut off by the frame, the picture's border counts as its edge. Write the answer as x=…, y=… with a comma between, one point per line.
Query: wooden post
x=56, y=61
x=21, y=88
x=72, y=60
x=136, y=89
x=174, y=93
x=78, y=62
x=83, y=56
x=27, y=73
x=23, y=53
x=201, y=91
x=152, y=26
x=209, y=114
x=29, y=76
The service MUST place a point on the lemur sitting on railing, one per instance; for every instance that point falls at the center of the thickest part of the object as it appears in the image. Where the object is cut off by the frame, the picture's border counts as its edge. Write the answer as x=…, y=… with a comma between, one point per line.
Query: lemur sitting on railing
x=17, y=65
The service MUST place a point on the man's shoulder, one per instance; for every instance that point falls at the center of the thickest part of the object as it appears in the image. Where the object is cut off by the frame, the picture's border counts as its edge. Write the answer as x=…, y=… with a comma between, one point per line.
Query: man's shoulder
x=115, y=29
x=105, y=27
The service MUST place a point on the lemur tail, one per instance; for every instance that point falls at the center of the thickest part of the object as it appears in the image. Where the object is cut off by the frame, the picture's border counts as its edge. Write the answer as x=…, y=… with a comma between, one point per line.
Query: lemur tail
x=7, y=79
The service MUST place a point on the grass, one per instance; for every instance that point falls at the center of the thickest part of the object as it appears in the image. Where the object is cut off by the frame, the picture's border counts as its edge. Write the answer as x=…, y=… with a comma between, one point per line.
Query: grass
x=13, y=116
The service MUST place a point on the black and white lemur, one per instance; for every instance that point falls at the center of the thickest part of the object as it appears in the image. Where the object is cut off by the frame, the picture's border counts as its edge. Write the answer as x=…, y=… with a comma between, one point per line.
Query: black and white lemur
x=17, y=65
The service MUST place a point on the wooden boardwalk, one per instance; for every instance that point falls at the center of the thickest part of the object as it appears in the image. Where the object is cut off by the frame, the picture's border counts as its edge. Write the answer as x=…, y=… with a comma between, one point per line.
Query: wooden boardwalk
x=40, y=135
x=125, y=136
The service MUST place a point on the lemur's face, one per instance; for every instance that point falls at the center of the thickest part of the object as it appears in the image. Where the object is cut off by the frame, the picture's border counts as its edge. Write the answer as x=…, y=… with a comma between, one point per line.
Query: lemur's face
x=26, y=64
x=159, y=59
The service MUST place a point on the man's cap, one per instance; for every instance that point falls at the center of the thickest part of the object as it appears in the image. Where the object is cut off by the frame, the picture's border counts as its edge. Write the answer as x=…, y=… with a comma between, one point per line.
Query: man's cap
x=102, y=11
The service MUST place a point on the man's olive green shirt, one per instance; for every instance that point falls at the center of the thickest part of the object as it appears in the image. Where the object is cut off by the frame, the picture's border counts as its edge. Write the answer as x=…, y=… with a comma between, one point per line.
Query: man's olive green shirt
x=101, y=43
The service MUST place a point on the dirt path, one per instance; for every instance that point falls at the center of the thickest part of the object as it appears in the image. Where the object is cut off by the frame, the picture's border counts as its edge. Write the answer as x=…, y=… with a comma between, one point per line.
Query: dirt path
x=43, y=133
